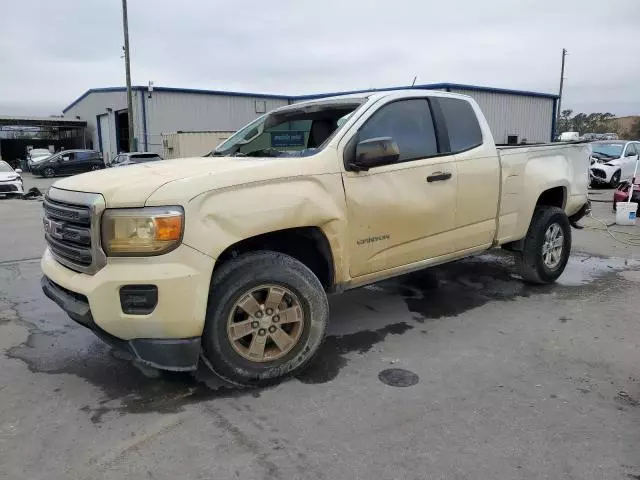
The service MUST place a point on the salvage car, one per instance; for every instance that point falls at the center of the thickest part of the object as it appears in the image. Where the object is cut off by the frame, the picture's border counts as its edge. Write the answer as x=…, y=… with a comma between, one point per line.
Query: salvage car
x=133, y=158
x=228, y=258
x=613, y=161
x=68, y=162
x=37, y=155
x=10, y=180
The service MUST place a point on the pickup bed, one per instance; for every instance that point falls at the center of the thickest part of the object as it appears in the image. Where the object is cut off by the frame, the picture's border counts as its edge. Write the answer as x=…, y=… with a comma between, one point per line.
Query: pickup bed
x=228, y=258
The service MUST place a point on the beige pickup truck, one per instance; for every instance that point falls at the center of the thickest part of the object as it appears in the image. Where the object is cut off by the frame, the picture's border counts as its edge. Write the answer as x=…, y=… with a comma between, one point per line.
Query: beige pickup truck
x=228, y=258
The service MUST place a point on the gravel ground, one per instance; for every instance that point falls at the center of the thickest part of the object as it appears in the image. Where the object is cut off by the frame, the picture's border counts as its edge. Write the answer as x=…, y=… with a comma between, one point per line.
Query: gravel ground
x=504, y=381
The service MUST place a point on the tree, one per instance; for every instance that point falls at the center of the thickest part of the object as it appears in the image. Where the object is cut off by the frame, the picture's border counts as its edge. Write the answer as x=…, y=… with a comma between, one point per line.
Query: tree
x=587, y=123
x=634, y=132
x=564, y=122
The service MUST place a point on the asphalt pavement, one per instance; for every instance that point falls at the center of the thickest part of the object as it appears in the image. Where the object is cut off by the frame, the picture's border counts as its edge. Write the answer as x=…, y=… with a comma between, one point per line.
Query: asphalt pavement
x=457, y=372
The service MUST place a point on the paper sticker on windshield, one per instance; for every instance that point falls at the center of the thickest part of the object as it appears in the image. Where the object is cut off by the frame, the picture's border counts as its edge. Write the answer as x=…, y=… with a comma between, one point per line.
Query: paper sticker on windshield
x=287, y=139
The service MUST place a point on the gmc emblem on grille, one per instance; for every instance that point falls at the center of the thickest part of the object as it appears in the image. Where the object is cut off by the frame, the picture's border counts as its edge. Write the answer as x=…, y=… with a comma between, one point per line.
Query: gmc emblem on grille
x=53, y=228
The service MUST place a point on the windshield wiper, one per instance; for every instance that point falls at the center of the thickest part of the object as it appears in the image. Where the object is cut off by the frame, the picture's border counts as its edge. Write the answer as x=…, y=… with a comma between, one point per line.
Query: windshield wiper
x=264, y=152
x=214, y=153
x=605, y=154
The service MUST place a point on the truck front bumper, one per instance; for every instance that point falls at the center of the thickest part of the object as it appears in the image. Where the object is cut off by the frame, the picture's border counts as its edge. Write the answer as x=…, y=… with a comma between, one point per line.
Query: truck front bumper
x=167, y=337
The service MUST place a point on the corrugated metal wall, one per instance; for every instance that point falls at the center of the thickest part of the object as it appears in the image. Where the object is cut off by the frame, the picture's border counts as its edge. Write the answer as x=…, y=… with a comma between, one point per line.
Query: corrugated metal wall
x=191, y=144
x=529, y=118
x=96, y=104
x=169, y=112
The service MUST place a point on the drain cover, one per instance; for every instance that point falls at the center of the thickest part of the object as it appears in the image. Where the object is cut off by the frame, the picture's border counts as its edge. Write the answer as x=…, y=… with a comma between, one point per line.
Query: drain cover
x=398, y=377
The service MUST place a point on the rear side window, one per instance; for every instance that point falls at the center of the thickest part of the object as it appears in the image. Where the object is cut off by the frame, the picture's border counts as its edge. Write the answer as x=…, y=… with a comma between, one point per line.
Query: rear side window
x=462, y=124
x=409, y=124
x=82, y=156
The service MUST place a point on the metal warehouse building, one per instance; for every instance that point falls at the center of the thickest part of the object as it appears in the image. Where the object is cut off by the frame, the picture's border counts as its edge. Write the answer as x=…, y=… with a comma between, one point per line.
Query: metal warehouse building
x=514, y=116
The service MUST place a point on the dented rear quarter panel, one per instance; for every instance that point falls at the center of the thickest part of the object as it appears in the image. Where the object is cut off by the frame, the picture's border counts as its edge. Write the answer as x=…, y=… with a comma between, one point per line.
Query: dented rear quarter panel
x=527, y=172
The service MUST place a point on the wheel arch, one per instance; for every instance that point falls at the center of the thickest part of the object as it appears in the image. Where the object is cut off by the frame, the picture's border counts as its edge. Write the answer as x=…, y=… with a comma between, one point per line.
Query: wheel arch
x=309, y=245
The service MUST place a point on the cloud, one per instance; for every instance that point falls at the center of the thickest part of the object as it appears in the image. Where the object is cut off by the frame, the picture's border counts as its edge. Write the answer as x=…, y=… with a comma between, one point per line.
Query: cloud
x=51, y=52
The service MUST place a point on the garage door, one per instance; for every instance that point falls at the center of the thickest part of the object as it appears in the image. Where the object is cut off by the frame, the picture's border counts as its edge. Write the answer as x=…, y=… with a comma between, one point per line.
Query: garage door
x=105, y=137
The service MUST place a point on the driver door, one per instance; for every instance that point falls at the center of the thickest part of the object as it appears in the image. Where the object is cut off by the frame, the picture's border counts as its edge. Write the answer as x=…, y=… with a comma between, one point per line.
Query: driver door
x=629, y=161
x=402, y=212
x=66, y=165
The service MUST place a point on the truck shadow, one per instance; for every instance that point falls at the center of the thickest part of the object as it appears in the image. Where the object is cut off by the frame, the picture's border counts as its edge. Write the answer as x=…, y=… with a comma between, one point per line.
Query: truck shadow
x=360, y=319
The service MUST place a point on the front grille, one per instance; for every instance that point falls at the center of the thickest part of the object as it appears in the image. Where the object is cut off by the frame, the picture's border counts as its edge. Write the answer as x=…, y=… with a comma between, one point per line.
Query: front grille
x=71, y=229
x=8, y=188
x=68, y=231
x=598, y=173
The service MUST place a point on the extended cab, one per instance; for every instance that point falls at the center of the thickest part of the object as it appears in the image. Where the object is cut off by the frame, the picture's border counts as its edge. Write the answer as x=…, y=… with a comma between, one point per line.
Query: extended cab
x=229, y=258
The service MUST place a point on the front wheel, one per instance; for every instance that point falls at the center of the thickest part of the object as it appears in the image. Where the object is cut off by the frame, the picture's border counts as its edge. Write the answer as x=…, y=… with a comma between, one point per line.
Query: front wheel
x=48, y=172
x=615, y=179
x=266, y=319
x=547, y=246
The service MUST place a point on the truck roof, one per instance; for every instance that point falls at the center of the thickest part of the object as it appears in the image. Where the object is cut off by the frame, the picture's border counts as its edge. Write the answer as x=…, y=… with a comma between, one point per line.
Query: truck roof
x=362, y=97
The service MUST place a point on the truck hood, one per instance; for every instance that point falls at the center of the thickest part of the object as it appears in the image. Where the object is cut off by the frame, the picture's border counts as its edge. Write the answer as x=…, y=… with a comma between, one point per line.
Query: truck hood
x=132, y=186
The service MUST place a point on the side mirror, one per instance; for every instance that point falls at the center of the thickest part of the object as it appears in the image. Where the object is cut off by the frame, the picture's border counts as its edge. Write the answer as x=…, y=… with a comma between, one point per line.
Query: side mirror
x=373, y=153
x=18, y=170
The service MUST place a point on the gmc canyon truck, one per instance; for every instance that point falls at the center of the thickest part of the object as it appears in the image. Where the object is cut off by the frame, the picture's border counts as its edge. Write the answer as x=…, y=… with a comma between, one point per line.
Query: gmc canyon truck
x=228, y=258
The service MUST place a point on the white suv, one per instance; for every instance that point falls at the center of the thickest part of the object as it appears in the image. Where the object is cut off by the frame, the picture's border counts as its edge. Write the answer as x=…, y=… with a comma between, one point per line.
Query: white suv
x=613, y=161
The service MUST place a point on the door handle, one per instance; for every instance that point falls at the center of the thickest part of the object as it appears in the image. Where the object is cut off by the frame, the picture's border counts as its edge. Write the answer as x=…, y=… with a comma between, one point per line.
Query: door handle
x=439, y=177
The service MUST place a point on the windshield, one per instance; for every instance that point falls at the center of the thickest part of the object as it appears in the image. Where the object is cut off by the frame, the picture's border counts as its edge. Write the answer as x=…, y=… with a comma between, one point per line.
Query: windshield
x=5, y=167
x=611, y=150
x=291, y=132
x=40, y=158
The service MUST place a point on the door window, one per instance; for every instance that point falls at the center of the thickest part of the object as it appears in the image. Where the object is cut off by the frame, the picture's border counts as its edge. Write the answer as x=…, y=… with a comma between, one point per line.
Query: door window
x=631, y=150
x=409, y=124
x=462, y=124
x=68, y=157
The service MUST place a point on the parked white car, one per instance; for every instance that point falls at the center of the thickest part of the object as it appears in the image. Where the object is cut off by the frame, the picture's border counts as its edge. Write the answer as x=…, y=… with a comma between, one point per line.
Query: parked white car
x=569, y=136
x=10, y=180
x=613, y=161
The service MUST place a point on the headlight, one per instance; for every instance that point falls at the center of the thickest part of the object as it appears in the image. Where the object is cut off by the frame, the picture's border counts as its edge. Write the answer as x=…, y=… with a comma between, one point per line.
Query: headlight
x=131, y=232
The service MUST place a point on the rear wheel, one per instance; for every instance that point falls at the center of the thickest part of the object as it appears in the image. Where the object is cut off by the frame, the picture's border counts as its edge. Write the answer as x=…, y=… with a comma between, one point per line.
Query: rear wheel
x=615, y=179
x=266, y=319
x=547, y=246
x=95, y=167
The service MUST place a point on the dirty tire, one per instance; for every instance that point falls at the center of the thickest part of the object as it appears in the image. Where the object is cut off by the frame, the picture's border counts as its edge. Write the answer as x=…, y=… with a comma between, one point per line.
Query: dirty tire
x=615, y=179
x=229, y=284
x=48, y=172
x=529, y=261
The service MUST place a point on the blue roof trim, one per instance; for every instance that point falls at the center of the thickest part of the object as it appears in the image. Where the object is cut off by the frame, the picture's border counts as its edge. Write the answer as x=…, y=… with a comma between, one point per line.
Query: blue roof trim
x=476, y=88
x=432, y=86
x=89, y=92
x=175, y=90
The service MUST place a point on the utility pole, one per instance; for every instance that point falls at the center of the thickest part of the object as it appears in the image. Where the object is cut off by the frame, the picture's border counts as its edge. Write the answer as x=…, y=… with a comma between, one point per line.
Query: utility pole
x=564, y=54
x=125, y=27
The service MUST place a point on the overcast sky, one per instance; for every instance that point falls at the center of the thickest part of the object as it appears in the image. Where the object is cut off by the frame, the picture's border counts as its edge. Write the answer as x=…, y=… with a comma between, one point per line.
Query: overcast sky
x=52, y=51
